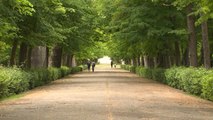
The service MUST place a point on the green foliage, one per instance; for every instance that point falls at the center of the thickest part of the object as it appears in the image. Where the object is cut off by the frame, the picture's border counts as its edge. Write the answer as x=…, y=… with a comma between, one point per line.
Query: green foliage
x=207, y=84
x=187, y=79
x=197, y=81
x=39, y=77
x=71, y=25
x=158, y=74
x=76, y=69
x=65, y=71
x=54, y=73
x=126, y=67
x=171, y=77
x=14, y=80
x=138, y=28
x=4, y=53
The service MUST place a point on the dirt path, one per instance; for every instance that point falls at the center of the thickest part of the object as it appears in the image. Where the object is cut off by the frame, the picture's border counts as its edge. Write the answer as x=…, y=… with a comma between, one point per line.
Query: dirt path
x=107, y=94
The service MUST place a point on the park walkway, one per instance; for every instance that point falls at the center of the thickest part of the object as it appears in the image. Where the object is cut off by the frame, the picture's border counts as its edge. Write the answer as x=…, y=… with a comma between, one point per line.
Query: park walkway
x=106, y=94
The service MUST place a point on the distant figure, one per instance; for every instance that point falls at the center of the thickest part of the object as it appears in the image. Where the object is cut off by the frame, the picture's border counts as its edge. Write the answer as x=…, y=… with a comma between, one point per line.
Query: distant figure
x=88, y=65
x=111, y=64
x=93, y=66
x=115, y=65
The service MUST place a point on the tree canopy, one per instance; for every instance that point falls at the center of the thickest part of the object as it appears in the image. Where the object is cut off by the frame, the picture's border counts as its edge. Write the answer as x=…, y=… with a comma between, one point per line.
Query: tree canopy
x=154, y=33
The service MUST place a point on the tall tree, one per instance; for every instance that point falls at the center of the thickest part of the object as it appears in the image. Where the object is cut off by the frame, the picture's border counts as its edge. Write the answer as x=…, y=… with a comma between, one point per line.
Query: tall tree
x=192, y=37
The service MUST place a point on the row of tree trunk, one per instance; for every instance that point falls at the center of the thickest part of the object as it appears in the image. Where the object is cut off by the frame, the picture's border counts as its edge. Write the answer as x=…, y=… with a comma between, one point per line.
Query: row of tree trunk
x=188, y=57
x=192, y=44
x=39, y=57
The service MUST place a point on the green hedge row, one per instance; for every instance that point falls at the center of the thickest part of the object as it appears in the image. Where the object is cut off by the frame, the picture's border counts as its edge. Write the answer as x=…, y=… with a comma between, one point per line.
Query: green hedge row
x=197, y=81
x=15, y=80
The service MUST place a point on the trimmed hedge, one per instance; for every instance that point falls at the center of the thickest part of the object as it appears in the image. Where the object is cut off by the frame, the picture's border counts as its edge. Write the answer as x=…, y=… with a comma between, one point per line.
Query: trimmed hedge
x=15, y=80
x=197, y=81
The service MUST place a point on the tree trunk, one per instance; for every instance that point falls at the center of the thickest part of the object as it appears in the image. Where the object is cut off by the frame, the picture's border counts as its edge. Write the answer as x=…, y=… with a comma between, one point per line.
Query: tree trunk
x=13, y=53
x=151, y=62
x=166, y=61
x=139, y=61
x=177, y=53
x=200, y=62
x=57, y=56
x=68, y=64
x=23, y=55
x=205, y=42
x=134, y=61
x=192, y=44
x=39, y=57
x=47, y=57
x=171, y=60
x=142, y=61
x=73, y=61
x=146, y=61
x=185, y=60
x=64, y=59
x=29, y=54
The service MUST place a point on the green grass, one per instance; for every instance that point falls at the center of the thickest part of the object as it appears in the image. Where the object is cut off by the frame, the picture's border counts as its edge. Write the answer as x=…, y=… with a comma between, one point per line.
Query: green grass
x=13, y=97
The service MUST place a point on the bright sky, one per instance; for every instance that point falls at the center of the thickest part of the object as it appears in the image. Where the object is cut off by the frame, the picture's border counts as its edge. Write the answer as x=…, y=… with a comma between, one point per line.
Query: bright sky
x=104, y=60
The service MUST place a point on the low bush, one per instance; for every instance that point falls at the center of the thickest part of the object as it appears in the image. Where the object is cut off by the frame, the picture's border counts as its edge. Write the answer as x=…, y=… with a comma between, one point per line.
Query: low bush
x=76, y=69
x=125, y=67
x=197, y=81
x=158, y=74
x=55, y=73
x=15, y=80
x=65, y=71
x=207, y=87
x=39, y=77
x=171, y=78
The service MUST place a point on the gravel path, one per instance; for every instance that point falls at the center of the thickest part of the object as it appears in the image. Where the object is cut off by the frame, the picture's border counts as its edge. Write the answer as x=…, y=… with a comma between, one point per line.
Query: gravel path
x=106, y=94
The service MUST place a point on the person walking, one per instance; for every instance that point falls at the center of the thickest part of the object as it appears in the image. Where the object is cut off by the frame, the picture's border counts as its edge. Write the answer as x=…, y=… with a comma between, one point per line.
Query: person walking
x=88, y=65
x=93, y=66
x=111, y=64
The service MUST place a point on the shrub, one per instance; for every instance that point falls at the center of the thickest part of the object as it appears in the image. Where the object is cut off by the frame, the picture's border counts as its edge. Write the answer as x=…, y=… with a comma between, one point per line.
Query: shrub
x=54, y=73
x=187, y=79
x=144, y=72
x=197, y=81
x=76, y=69
x=170, y=77
x=159, y=75
x=207, y=84
x=132, y=69
x=128, y=67
x=192, y=80
x=13, y=81
x=39, y=77
x=65, y=71
x=83, y=67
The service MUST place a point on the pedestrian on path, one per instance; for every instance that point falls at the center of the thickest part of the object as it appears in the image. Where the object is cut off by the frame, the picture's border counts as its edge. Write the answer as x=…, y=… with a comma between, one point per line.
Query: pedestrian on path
x=93, y=66
x=111, y=64
x=88, y=65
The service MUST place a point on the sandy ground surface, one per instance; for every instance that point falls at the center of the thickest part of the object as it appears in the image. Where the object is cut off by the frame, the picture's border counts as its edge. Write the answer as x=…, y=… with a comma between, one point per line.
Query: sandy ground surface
x=106, y=94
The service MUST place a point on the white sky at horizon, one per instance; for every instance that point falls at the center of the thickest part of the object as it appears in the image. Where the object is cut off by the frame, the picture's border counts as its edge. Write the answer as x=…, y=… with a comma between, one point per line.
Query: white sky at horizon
x=104, y=60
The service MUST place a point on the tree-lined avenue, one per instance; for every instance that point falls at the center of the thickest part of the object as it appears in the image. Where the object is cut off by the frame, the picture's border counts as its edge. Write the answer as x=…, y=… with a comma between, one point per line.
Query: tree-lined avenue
x=106, y=94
